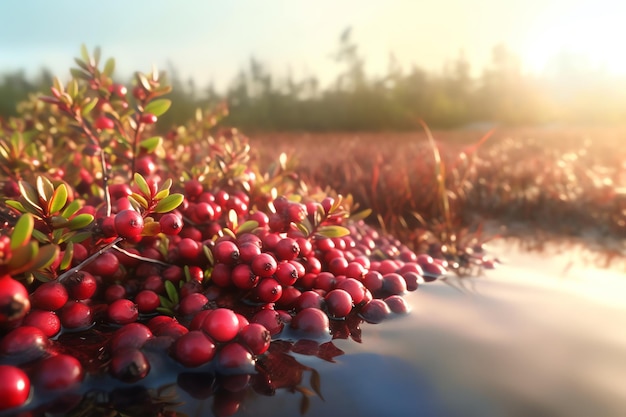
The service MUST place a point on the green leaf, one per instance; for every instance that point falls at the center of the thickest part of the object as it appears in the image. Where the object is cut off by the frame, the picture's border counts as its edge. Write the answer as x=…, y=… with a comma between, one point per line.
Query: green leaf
x=361, y=215
x=16, y=205
x=58, y=200
x=76, y=73
x=29, y=195
x=89, y=105
x=143, y=80
x=247, y=226
x=22, y=231
x=45, y=256
x=141, y=183
x=71, y=209
x=66, y=262
x=166, y=303
x=166, y=311
x=109, y=67
x=97, y=53
x=333, y=231
x=151, y=144
x=40, y=236
x=138, y=202
x=171, y=291
x=44, y=188
x=84, y=53
x=22, y=258
x=229, y=232
x=79, y=237
x=208, y=254
x=158, y=107
x=80, y=221
x=169, y=203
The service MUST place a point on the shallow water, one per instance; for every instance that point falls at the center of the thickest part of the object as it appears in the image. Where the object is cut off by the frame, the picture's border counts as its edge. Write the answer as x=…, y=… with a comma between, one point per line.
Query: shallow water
x=537, y=336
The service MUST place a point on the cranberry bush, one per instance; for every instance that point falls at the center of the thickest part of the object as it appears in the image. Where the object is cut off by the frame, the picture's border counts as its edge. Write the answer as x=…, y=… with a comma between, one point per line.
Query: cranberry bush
x=123, y=251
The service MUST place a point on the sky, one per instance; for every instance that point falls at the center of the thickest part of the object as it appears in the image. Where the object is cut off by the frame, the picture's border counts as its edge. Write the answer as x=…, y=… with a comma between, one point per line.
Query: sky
x=212, y=41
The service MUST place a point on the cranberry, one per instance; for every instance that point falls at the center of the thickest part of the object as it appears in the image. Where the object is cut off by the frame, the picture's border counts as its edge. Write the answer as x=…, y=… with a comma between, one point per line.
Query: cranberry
x=375, y=311
x=129, y=365
x=394, y=284
x=355, y=288
x=189, y=249
x=48, y=322
x=171, y=224
x=105, y=265
x=248, y=251
x=338, y=303
x=76, y=315
x=412, y=280
x=256, y=337
x=50, y=295
x=59, y=372
x=312, y=322
x=226, y=252
x=104, y=123
x=147, y=301
x=287, y=249
x=128, y=224
x=270, y=319
x=286, y=273
x=373, y=281
x=234, y=358
x=194, y=349
x=264, y=265
x=397, y=304
x=148, y=118
x=269, y=290
x=15, y=387
x=132, y=335
x=81, y=285
x=24, y=344
x=122, y=311
x=221, y=325
x=14, y=301
x=192, y=304
x=114, y=292
x=309, y=299
x=243, y=277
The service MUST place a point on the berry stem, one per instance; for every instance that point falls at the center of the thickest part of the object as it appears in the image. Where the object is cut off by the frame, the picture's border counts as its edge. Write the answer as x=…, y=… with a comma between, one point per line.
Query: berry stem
x=87, y=261
x=139, y=257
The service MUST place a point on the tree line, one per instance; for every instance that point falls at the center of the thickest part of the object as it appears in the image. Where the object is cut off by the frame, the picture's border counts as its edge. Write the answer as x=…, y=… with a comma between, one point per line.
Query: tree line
x=503, y=94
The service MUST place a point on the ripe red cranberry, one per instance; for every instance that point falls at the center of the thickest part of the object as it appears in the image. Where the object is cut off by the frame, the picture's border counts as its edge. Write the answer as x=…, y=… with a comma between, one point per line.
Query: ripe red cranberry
x=132, y=335
x=234, y=358
x=105, y=265
x=104, y=123
x=14, y=301
x=394, y=284
x=128, y=224
x=59, y=372
x=338, y=266
x=192, y=304
x=397, y=304
x=226, y=252
x=122, y=311
x=198, y=319
x=269, y=290
x=325, y=281
x=243, y=277
x=145, y=166
x=45, y=320
x=375, y=311
x=221, y=275
x=76, y=315
x=354, y=287
x=129, y=365
x=148, y=118
x=81, y=285
x=114, y=292
x=193, y=188
x=171, y=224
x=338, y=303
x=189, y=249
x=147, y=301
x=286, y=273
x=256, y=337
x=412, y=280
x=15, y=387
x=287, y=249
x=312, y=322
x=221, y=325
x=309, y=299
x=264, y=265
x=432, y=271
x=270, y=319
x=373, y=281
x=24, y=344
x=193, y=349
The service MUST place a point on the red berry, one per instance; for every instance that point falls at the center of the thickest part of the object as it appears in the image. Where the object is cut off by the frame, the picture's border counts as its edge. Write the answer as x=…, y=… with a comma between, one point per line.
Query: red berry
x=226, y=252
x=15, y=387
x=191, y=304
x=132, y=335
x=338, y=303
x=14, y=301
x=129, y=365
x=149, y=118
x=221, y=325
x=243, y=277
x=264, y=265
x=147, y=301
x=397, y=304
x=128, y=224
x=270, y=319
x=375, y=311
x=59, y=372
x=194, y=349
x=269, y=290
x=24, y=344
x=104, y=123
x=234, y=357
x=171, y=224
x=312, y=322
x=76, y=315
x=48, y=322
x=122, y=311
x=256, y=337
x=81, y=285
x=287, y=249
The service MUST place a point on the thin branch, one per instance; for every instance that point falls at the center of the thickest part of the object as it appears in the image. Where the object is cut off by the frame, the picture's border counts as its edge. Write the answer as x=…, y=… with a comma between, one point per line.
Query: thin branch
x=139, y=257
x=87, y=261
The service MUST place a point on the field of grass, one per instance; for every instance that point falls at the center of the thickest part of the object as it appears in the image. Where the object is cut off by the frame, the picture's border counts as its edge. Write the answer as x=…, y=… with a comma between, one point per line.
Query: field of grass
x=562, y=181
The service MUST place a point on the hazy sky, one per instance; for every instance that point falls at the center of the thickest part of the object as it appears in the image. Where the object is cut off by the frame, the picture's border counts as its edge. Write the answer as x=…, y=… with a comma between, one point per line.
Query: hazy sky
x=212, y=40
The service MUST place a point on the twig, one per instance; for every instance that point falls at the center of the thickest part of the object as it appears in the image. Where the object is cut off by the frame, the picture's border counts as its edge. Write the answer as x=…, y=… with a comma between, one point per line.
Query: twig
x=87, y=261
x=139, y=257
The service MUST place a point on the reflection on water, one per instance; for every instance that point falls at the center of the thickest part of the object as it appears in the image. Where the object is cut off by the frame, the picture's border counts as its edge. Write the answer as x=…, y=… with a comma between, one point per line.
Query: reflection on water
x=531, y=338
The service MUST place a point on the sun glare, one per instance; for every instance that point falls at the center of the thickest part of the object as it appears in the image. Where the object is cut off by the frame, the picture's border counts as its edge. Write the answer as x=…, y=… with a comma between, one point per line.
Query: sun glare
x=592, y=34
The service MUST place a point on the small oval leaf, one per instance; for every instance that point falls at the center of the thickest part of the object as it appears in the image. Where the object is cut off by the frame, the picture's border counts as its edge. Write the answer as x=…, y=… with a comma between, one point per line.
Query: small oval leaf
x=80, y=221
x=22, y=231
x=169, y=203
x=141, y=183
x=333, y=231
x=58, y=200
